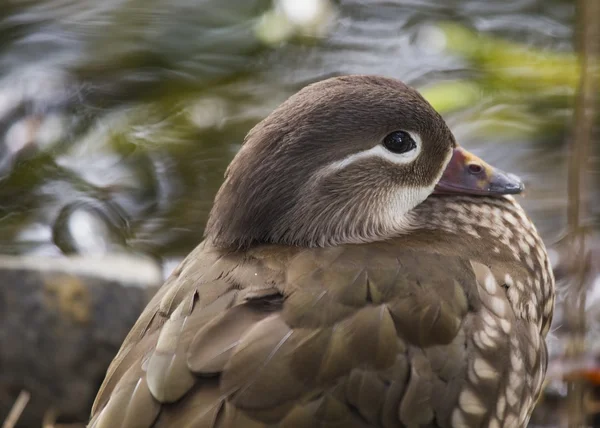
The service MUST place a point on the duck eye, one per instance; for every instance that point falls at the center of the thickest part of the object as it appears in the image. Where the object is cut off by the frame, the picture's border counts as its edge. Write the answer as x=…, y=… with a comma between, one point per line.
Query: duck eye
x=399, y=142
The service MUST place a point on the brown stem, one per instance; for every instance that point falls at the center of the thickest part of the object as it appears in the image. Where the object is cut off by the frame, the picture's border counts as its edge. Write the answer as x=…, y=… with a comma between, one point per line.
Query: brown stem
x=585, y=112
x=17, y=410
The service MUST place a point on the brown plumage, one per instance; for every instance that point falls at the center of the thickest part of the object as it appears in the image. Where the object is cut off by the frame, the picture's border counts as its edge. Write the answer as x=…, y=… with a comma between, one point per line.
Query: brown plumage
x=334, y=289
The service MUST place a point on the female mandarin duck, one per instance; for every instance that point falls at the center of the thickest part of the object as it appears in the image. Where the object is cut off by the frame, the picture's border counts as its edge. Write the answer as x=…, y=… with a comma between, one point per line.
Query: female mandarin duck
x=360, y=269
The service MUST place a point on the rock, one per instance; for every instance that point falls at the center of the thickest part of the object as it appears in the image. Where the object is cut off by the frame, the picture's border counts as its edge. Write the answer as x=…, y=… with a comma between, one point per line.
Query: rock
x=63, y=321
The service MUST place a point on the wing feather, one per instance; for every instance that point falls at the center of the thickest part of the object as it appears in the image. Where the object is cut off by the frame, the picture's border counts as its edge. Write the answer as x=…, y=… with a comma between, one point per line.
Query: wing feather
x=354, y=336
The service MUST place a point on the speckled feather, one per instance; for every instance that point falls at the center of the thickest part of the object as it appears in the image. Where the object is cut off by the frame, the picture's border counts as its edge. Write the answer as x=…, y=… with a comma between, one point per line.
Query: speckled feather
x=416, y=331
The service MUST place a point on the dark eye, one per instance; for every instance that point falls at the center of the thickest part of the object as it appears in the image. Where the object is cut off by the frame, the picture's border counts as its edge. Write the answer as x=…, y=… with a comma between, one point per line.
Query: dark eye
x=399, y=142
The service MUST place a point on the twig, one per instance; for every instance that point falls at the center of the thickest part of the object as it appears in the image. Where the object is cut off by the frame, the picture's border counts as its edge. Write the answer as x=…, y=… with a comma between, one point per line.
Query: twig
x=17, y=409
x=585, y=112
x=49, y=420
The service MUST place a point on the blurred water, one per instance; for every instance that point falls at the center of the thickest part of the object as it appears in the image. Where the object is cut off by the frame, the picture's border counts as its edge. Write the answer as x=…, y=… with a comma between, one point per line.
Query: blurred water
x=131, y=110
x=118, y=118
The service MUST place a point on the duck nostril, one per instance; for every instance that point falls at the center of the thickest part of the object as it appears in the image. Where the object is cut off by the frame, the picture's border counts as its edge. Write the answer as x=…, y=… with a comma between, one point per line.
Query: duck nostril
x=475, y=168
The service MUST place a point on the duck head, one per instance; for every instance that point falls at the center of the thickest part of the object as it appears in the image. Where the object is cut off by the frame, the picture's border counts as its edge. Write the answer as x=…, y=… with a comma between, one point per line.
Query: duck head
x=344, y=161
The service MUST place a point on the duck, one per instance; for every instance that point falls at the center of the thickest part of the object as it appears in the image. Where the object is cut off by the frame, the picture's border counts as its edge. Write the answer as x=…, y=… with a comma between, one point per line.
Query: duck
x=359, y=268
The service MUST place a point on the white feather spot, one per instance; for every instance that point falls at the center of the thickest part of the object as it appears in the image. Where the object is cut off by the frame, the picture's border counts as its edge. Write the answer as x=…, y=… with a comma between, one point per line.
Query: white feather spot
x=514, y=380
x=531, y=312
x=478, y=342
x=510, y=218
x=510, y=421
x=492, y=332
x=517, y=363
x=484, y=370
x=458, y=420
x=524, y=247
x=511, y=396
x=485, y=339
x=512, y=294
x=490, y=284
x=472, y=375
x=488, y=318
x=500, y=407
x=470, y=230
x=535, y=340
x=497, y=306
x=529, y=262
x=470, y=403
x=520, y=286
x=505, y=325
x=530, y=240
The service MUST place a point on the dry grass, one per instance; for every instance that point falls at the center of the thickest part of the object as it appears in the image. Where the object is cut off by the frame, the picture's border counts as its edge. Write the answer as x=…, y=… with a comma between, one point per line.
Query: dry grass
x=586, y=109
x=49, y=418
x=17, y=409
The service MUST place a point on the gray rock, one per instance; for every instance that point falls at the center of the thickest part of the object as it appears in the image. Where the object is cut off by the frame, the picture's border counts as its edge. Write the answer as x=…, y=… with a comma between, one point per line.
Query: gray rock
x=63, y=321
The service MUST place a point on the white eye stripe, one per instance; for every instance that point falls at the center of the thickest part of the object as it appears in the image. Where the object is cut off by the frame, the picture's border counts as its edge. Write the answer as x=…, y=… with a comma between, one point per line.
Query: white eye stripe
x=379, y=152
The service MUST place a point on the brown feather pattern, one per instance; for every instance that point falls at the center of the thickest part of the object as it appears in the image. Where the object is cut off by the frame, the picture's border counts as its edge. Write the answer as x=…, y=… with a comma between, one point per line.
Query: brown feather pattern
x=394, y=334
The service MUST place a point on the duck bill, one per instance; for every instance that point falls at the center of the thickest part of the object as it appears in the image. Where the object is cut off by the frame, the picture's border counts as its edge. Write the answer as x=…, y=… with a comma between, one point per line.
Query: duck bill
x=466, y=174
